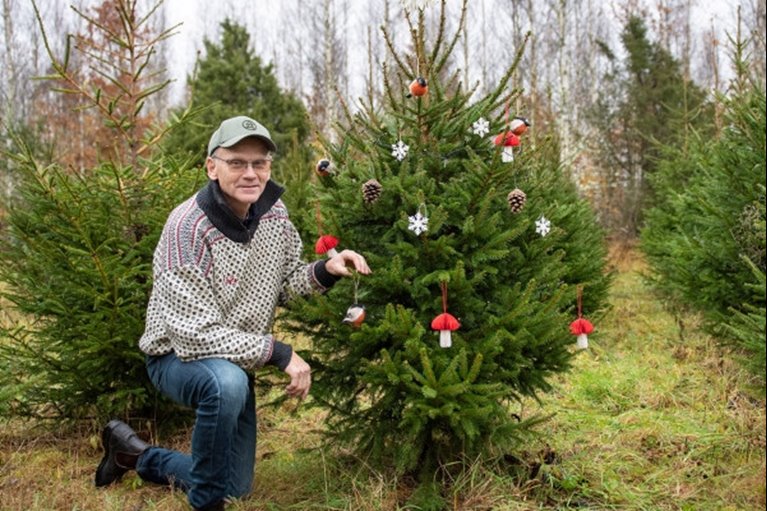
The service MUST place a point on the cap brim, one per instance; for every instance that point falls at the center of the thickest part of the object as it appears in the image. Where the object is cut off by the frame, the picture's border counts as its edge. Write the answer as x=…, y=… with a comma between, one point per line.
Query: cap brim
x=232, y=141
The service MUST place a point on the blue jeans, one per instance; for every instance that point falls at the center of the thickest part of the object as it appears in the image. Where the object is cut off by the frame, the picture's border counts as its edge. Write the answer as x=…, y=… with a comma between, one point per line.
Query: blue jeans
x=224, y=437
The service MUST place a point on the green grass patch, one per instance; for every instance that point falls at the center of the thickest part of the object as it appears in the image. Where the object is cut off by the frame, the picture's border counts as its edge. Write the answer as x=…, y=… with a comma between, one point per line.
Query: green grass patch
x=650, y=418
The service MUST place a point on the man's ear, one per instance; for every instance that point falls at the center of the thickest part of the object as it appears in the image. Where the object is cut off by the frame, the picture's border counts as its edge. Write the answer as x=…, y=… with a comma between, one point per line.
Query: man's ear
x=210, y=166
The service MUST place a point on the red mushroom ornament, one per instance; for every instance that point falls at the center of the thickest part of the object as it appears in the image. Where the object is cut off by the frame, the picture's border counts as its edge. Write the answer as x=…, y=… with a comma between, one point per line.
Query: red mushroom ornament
x=508, y=140
x=326, y=245
x=581, y=326
x=445, y=323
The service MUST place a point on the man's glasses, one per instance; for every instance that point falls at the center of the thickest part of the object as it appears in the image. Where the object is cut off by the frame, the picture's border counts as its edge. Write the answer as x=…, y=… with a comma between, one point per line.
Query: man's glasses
x=238, y=165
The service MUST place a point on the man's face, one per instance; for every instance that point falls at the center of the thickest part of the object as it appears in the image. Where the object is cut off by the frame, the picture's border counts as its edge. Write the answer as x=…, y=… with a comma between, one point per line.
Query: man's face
x=242, y=171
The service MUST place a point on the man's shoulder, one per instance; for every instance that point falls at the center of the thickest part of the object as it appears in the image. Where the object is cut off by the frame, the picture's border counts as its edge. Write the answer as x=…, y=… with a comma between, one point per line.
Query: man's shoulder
x=187, y=209
x=188, y=218
x=187, y=231
x=278, y=211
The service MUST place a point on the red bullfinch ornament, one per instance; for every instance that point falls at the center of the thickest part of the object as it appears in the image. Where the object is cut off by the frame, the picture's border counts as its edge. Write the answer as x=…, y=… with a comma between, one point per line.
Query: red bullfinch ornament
x=355, y=314
x=324, y=168
x=418, y=87
x=519, y=125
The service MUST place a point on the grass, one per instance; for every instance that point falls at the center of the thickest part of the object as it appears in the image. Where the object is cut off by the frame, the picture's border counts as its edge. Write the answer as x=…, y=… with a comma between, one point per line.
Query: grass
x=646, y=420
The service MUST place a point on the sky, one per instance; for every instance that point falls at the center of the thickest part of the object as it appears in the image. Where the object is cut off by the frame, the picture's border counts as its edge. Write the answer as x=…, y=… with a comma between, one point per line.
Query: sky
x=267, y=20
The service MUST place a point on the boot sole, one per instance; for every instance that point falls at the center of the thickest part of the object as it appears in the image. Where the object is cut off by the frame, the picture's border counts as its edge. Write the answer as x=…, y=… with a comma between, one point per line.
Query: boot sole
x=105, y=435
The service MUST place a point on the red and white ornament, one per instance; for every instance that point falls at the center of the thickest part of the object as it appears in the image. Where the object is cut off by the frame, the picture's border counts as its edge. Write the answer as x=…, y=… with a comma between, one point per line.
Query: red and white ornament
x=324, y=168
x=355, y=315
x=508, y=141
x=581, y=327
x=326, y=244
x=519, y=125
x=418, y=87
x=446, y=323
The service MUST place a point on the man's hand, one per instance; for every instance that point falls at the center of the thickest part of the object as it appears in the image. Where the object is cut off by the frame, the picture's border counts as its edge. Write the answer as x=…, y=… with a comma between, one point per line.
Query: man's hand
x=339, y=264
x=300, y=377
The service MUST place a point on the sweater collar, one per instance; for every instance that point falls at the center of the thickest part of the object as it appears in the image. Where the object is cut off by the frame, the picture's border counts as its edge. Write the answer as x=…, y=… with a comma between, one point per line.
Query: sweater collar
x=213, y=203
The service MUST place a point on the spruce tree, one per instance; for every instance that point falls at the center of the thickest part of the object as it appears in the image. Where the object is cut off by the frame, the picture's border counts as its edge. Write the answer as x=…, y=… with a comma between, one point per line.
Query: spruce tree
x=705, y=237
x=76, y=258
x=421, y=190
x=650, y=104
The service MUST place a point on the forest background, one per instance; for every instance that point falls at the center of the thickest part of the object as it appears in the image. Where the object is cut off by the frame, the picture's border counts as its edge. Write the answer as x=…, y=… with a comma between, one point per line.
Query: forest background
x=574, y=71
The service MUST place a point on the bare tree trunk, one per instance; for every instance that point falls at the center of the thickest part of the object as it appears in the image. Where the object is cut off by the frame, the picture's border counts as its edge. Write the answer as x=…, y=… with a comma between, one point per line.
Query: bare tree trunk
x=466, y=75
x=328, y=75
x=756, y=22
x=10, y=85
x=564, y=67
x=532, y=67
x=687, y=41
x=483, y=32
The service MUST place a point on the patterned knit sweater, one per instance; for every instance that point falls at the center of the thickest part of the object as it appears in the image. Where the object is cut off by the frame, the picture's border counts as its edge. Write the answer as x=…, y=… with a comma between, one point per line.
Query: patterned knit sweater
x=218, y=280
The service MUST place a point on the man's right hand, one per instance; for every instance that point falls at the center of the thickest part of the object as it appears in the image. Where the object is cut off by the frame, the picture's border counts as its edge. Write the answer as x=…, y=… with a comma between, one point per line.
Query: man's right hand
x=300, y=377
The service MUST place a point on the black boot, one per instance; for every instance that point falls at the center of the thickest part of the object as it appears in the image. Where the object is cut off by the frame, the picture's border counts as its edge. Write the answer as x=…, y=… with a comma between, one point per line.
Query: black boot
x=122, y=447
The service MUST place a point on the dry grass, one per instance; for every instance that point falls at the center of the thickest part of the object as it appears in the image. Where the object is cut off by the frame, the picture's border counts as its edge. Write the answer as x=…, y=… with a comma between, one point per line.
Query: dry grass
x=644, y=421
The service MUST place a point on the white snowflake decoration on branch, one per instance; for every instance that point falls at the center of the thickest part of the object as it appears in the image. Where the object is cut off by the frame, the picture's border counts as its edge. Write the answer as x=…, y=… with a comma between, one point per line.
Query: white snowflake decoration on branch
x=399, y=150
x=542, y=226
x=481, y=127
x=418, y=223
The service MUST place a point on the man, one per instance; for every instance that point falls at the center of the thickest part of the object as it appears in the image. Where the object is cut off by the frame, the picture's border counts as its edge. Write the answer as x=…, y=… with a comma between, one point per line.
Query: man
x=226, y=258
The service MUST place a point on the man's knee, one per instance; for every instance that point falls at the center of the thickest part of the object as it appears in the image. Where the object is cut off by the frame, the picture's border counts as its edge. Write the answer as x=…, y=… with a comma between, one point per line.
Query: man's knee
x=229, y=385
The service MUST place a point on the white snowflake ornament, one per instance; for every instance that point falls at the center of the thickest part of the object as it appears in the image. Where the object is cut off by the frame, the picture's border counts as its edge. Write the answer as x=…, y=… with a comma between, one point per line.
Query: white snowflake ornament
x=481, y=127
x=399, y=150
x=418, y=223
x=542, y=226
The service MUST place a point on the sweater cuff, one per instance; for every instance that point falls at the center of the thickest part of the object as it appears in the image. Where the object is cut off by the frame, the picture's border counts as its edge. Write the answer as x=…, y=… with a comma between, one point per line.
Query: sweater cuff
x=324, y=278
x=281, y=354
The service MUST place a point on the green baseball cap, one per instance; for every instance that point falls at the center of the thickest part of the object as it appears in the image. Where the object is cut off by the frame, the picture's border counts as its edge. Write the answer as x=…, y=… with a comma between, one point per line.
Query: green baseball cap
x=235, y=129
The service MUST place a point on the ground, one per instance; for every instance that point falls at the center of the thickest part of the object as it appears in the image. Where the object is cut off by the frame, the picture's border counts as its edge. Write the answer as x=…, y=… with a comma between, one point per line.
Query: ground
x=655, y=415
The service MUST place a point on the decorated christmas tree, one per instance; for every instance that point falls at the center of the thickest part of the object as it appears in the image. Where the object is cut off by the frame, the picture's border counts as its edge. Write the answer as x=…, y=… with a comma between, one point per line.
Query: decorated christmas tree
x=480, y=250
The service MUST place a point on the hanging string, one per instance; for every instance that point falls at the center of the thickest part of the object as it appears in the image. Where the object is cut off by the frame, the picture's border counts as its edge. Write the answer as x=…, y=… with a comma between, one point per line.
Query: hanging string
x=507, y=116
x=580, y=301
x=356, y=281
x=443, y=286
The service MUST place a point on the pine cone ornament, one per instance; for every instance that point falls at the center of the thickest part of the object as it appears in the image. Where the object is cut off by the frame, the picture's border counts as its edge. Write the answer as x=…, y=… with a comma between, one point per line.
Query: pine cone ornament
x=517, y=199
x=371, y=191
